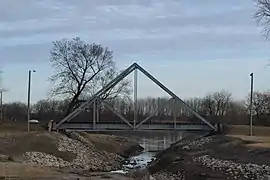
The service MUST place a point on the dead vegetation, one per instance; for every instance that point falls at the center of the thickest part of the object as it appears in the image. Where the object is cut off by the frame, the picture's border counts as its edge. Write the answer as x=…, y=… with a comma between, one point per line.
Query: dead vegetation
x=113, y=144
x=255, y=141
x=15, y=144
x=12, y=169
x=244, y=130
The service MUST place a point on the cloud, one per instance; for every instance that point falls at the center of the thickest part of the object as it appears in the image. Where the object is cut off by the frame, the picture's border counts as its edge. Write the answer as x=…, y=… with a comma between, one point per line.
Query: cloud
x=172, y=36
x=131, y=28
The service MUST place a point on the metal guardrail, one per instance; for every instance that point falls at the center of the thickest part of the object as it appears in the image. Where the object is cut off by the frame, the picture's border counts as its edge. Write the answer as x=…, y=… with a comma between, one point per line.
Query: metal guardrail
x=149, y=127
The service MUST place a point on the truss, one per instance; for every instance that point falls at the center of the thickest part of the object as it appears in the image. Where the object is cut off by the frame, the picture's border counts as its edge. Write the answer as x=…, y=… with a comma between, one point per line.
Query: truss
x=134, y=67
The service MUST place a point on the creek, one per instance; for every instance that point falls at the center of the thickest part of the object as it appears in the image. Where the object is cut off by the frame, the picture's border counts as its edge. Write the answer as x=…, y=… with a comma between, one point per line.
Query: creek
x=152, y=142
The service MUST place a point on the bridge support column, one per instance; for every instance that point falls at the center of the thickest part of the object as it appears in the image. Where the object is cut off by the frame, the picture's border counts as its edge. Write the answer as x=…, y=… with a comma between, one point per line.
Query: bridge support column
x=135, y=96
x=97, y=110
x=164, y=143
x=174, y=121
x=174, y=114
x=94, y=114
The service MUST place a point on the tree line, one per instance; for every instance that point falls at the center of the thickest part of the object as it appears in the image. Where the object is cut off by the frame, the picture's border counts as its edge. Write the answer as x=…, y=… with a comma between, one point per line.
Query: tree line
x=216, y=107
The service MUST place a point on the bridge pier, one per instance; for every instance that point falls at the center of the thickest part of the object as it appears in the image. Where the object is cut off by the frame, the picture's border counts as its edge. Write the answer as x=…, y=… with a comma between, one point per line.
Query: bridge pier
x=94, y=114
x=97, y=111
x=174, y=115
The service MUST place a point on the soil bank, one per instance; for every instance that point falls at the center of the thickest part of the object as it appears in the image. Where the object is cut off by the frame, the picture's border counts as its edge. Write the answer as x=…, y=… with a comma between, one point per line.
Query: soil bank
x=24, y=154
x=212, y=158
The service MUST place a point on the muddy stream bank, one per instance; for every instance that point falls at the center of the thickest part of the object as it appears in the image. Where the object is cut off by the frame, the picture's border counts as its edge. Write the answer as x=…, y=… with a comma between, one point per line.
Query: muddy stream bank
x=152, y=143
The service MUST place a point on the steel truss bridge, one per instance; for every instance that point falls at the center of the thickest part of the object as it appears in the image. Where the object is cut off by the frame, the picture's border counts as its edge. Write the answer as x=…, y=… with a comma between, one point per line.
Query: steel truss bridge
x=124, y=124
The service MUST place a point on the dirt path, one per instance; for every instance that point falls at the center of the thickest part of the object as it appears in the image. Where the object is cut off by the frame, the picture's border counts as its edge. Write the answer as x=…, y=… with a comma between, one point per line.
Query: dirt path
x=103, y=176
x=258, y=141
x=26, y=172
x=110, y=176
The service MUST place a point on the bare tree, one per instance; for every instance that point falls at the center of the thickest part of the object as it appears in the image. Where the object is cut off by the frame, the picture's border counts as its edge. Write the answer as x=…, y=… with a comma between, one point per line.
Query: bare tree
x=263, y=15
x=236, y=108
x=123, y=88
x=80, y=69
x=222, y=100
x=216, y=103
x=208, y=104
x=15, y=111
x=261, y=103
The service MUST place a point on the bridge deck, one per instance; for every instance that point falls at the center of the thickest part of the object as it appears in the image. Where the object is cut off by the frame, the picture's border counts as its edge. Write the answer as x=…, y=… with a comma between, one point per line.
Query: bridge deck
x=120, y=126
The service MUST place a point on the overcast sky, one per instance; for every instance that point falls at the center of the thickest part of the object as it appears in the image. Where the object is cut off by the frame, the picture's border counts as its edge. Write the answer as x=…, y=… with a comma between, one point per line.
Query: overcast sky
x=191, y=46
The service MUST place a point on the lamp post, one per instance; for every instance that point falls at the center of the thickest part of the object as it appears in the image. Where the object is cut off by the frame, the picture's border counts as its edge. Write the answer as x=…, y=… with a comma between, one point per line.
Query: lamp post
x=28, y=98
x=1, y=103
x=251, y=105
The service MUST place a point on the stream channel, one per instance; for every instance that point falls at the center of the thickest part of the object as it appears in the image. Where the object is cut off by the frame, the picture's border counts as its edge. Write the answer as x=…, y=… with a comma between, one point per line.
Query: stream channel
x=152, y=143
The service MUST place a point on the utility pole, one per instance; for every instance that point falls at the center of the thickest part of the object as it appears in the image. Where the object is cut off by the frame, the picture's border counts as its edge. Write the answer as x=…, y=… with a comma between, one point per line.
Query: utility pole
x=1, y=103
x=29, y=98
x=251, y=105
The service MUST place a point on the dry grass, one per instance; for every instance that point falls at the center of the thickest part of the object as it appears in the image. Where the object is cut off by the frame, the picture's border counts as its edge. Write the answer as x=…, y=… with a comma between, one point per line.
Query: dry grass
x=259, y=141
x=15, y=144
x=112, y=144
x=23, y=171
x=244, y=130
x=261, y=135
x=104, y=142
x=22, y=127
x=29, y=172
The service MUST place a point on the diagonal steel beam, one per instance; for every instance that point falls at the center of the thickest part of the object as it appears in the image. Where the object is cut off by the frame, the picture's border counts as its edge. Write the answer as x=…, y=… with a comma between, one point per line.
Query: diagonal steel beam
x=99, y=93
x=174, y=96
x=146, y=119
x=115, y=111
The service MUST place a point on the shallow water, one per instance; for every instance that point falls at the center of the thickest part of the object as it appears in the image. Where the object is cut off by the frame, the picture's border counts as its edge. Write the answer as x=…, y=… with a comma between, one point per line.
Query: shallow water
x=136, y=162
x=152, y=143
x=139, y=161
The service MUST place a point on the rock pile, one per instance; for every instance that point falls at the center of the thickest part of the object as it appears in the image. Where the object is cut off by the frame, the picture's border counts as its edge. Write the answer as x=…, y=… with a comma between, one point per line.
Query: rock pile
x=197, y=144
x=145, y=175
x=44, y=159
x=235, y=170
x=87, y=156
x=79, y=138
x=4, y=158
x=168, y=176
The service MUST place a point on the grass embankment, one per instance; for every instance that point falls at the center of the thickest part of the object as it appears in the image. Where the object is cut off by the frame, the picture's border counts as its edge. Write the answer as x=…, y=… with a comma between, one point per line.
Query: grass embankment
x=14, y=143
x=260, y=137
x=244, y=130
x=178, y=159
x=236, y=146
x=113, y=144
x=24, y=172
x=22, y=127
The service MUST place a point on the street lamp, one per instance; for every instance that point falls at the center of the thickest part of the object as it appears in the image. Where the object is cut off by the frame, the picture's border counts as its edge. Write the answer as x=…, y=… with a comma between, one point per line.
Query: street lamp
x=1, y=103
x=251, y=104
x=28, y=98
